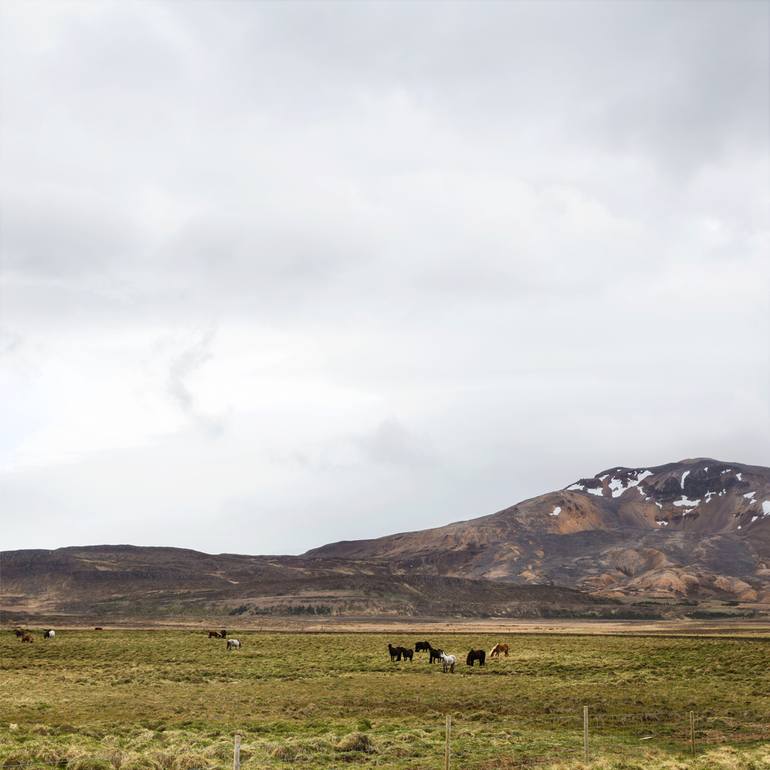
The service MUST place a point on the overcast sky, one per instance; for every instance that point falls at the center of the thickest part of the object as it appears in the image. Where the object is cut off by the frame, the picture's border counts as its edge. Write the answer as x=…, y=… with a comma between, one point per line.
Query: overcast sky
x=275, y=275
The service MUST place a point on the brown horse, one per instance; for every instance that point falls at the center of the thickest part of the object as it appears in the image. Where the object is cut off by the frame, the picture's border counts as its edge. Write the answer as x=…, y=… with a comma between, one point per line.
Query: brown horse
x=27, y=638
x=474, y=655
x=218, y=634
x=435, y=654
x=19, y=633
x=497, y=649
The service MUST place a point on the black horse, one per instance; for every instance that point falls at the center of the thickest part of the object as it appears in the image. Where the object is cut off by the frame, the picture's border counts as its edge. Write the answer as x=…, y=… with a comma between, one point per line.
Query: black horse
x=435, y=654
x=397, y=653
x=422, y=647
x=474, y=655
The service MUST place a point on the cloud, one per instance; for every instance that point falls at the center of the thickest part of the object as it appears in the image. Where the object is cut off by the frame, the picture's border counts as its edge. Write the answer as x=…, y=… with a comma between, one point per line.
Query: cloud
x=443, y=257
x=390, y=443
x=182, y=368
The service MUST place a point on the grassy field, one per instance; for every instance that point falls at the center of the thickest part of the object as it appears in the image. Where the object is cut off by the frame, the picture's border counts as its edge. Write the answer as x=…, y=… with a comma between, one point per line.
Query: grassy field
x=172, y=700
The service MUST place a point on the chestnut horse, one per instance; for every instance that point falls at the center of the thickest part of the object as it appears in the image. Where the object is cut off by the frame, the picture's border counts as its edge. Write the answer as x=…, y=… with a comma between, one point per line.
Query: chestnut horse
x=497, y=649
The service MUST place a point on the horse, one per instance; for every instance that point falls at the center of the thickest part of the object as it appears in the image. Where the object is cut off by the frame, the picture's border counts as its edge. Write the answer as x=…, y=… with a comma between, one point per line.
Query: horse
x=49, y=633
x=27, y=638
x=407, y=653
x=435, y=654
x=497, y=649
x=448, y=662
x=98, y=628
x=218, y=634
x=474, y=655
x=19, y=633
x=233, y=644
x=395, y=652
x=422, y=647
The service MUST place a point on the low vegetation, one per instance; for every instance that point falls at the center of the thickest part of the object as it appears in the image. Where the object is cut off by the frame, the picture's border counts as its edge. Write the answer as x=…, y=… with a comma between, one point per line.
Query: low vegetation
x=172, y=700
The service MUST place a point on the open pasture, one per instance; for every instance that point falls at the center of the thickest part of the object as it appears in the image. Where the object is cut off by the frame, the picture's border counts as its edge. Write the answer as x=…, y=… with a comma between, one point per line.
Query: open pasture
x=172, y=700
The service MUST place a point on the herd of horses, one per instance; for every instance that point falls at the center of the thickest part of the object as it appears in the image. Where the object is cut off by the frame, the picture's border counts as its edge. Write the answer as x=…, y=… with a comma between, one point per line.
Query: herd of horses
x=397, y=654
x=25, y=636
x=232, y=644
x=448, y=662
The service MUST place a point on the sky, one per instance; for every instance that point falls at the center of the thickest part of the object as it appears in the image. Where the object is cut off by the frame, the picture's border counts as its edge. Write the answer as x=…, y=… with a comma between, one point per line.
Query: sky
x=279, y=274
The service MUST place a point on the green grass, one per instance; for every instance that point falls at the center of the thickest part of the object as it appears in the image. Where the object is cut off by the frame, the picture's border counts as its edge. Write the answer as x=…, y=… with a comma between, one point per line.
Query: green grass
x=172, y=700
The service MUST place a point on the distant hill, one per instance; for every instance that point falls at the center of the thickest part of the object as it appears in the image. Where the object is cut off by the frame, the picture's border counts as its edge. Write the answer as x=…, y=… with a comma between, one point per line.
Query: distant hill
x=129, y=582
x=612, y=545
x=697, y=528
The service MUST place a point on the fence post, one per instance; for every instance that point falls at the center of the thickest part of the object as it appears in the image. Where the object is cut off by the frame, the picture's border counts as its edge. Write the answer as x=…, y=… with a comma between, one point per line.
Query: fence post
x=237, y=752
x=585, y=733
x=447, y=739
x=692, y=732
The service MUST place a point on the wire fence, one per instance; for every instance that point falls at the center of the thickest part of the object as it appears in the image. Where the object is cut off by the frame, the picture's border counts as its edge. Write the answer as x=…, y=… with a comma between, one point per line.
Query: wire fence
x=457, y=741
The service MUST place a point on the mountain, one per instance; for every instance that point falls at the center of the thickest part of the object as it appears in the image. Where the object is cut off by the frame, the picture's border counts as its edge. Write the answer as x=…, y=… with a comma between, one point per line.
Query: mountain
x=129, y=583
x=611, y=545
x=696, y=528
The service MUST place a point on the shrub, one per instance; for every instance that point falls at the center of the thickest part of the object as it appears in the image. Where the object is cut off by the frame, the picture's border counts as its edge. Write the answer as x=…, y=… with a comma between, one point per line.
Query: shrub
x=355, y=742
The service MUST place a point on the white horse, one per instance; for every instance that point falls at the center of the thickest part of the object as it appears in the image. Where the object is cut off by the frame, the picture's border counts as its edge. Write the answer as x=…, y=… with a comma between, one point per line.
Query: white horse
x=233, y=644
x=49, y=633
x=449, y=662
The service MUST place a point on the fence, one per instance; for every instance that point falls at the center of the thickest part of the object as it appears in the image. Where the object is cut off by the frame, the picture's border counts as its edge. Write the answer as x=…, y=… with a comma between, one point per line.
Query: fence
x=578, y=735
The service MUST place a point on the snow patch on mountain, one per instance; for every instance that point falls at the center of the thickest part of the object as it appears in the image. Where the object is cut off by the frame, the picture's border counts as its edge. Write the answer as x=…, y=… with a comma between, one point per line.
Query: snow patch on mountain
x=685, y=501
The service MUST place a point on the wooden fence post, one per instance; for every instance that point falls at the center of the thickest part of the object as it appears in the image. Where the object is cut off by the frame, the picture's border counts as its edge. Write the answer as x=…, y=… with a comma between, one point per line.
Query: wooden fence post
x=692, y=732
x=585, y=733
x=237, y=752
x=447, y=739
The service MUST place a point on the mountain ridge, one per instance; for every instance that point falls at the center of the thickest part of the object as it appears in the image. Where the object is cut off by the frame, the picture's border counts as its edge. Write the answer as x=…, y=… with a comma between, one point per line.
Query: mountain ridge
x=682, y=532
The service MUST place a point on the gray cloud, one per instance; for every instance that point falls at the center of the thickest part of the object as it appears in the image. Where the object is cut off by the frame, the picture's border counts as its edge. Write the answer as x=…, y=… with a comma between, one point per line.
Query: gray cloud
x=181, y=369
x=447, y=256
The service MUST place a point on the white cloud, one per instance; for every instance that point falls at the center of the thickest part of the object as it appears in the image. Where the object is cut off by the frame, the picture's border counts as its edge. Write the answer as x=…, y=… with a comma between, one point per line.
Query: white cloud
x=455, y=255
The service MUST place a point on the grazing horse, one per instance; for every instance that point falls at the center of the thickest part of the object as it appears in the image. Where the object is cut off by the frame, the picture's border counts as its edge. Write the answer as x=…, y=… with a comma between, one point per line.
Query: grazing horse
x=422, y=647
x=27, y=638
x=233, y=644
x=19, y=633
x=49, y=633
x=435, y=654
x=395, y=652
x=407, y=653
x=497, y=649
x=474, y=655
x=218, y=634
x=98, y=628
x=449, y=662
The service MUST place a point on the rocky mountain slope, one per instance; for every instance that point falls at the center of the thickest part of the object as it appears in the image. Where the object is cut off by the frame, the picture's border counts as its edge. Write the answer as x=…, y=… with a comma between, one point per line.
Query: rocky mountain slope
x=110, y=583
x=696, y=528
x=689, y=531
